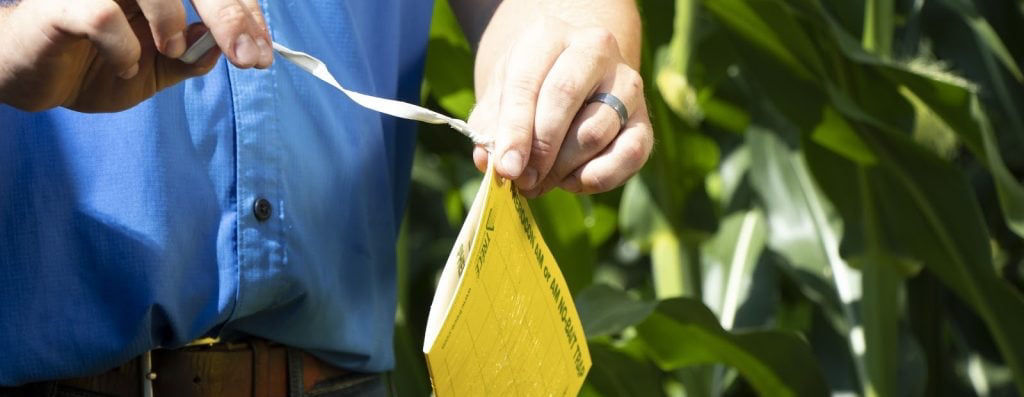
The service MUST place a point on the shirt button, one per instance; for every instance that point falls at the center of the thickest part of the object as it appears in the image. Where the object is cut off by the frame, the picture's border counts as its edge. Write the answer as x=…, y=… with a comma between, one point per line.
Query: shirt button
x=261, y=209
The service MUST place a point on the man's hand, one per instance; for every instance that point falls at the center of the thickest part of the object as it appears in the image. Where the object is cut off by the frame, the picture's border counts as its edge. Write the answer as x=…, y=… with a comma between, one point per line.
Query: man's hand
x=533, y=84
x=106, y=55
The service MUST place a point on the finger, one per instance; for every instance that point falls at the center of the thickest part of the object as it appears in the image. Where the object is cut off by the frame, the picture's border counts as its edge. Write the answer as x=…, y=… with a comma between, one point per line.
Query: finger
x=257, y=13
x=171, y=71
x=617, y=163
x=236, y=31
x=529, y=60
x=266, y=57
x=480, y=158
x=483, y=120
x=597, y=125
x=167, y=22
x=573, y=78
x=105, y=25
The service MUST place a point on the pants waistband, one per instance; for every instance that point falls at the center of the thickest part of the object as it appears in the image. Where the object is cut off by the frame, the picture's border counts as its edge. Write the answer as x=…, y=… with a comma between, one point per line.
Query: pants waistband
x=251, y=368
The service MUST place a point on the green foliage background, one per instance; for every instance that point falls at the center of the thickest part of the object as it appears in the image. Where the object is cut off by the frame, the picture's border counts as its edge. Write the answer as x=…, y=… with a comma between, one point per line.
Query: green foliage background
x=833, y=204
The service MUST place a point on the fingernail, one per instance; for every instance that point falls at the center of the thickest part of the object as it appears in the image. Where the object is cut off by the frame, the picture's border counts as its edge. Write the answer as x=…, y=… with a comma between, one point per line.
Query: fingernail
x=175, y=46
x=571, y=184
x=246, y=50
x=512, y=162
x=528, y=179
x=266, y=54
x=131, y=72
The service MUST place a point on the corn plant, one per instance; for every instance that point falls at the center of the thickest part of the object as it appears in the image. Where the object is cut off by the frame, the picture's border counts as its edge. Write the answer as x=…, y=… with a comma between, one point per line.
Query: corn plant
x=833, y=206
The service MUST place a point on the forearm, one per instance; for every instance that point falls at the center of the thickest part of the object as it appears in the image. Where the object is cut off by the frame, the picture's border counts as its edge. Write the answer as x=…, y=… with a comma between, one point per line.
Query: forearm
x=619, y=17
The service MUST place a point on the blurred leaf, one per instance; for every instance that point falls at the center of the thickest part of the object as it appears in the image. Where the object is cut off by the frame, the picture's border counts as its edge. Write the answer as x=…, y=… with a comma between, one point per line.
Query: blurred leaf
x=986, y=35
x=672, y=61
x=683, y=332
x=640, y=218
x=449, y=65
x=729, y=259
x=453, y=207
x=929, y=129
x=468, y=191
x=410, y=373
x=670, y=267
x=880, y=313
x=836, y=134
x=410, y=376
x=771, y=26
x=729, y=178
x=618, y=374
x=560, y=219
x=601, y=222
x=605, y=310
x=426, y=171
x=878, y=27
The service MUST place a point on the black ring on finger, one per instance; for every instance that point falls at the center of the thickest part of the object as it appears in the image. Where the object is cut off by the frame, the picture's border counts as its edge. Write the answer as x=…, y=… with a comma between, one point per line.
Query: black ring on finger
x=615, y=103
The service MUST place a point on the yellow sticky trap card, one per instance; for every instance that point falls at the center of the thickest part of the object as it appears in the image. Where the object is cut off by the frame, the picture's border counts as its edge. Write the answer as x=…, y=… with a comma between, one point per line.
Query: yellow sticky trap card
x=502, y=321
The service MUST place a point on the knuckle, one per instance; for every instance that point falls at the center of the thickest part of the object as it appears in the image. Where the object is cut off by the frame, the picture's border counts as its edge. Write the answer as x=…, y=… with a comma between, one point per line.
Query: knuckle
x=541, y=149
x=517, y=133
x=166, y=16
x=521, y=87
x=102, y=16
x=635, y=151
x=602, y=39
x=518, y=100
x=174, y=22
x=564, y=90
x=232, y=14
x=547, y=123
x=634, y=80
x=594, y=182
x=257, y=14
x=591, y=135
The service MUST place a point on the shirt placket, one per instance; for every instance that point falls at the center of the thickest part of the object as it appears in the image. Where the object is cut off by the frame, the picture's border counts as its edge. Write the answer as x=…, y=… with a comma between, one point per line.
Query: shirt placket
x=261, y=249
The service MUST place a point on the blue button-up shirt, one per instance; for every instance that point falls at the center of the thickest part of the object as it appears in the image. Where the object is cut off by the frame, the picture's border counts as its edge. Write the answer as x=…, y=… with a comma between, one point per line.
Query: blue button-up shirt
x=128, y=231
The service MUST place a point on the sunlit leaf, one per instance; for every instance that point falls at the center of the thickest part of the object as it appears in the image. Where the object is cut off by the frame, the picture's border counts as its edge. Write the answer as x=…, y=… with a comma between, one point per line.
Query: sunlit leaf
x=729, y=260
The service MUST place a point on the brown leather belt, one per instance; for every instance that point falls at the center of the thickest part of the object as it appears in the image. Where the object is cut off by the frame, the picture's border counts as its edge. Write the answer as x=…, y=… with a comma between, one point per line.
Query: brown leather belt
x=254, y=367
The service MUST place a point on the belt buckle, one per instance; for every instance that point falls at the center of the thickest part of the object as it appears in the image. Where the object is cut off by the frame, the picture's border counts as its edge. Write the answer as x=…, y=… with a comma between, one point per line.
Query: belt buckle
x=146, y=365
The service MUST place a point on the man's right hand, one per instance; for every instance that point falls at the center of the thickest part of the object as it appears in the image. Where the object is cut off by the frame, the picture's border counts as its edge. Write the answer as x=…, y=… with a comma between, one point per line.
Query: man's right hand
x=107, y=55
